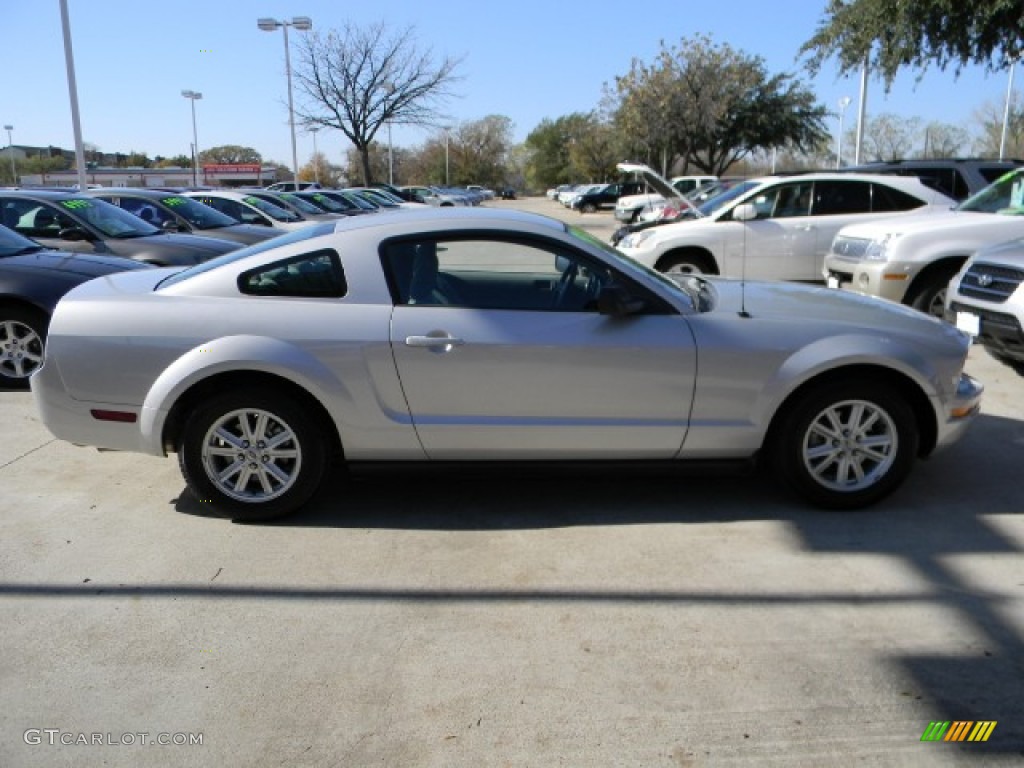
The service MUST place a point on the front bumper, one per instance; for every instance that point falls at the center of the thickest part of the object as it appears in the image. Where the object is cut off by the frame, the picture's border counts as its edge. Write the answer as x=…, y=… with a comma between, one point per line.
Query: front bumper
x=961, y=411
x=999, y=332
x=884, y=279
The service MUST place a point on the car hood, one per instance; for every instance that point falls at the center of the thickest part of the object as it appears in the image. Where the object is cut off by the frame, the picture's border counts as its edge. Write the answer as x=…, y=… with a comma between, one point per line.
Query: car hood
x=822, y=311
x=179, y=250
x=934, y=221
x=83, y=264
x=654, y=180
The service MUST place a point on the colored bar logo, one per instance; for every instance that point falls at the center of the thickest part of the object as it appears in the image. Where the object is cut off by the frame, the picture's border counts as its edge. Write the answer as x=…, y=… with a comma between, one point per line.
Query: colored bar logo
x=959, y=730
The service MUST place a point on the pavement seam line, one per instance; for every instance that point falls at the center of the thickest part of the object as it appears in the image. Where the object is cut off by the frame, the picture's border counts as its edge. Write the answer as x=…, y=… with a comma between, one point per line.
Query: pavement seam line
x=27, y=453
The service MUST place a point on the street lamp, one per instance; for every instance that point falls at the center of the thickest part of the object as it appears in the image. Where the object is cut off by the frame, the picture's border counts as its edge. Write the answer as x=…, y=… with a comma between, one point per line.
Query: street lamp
x=193, y=96
x=10, y=150
x=843, y=104
x=316, y=160
x=302, y=23
x=1006, y=112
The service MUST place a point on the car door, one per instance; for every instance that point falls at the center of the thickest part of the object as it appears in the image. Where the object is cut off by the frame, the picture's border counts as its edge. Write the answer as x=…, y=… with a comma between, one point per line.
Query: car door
x=780, y=243
x=502, y=354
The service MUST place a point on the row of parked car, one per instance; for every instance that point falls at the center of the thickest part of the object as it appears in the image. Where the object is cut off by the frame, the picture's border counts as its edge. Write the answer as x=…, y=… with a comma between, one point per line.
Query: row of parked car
x=882, y=231
x=52, y=240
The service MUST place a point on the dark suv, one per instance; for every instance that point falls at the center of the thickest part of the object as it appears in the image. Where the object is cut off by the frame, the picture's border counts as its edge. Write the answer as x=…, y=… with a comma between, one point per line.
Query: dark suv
x=957, y=177
x=605, y=198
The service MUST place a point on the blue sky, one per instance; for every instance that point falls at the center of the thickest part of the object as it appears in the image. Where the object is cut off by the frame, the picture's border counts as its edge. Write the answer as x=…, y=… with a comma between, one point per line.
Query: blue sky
x=525, y=59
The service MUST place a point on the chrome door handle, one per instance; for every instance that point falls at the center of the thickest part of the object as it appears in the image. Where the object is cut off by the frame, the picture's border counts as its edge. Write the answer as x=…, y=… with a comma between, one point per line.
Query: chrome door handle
x=432, y=342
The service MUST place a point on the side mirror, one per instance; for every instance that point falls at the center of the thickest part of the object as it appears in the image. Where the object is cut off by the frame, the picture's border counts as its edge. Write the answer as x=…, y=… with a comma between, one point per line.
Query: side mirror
x=616, y=301
x=744, y=212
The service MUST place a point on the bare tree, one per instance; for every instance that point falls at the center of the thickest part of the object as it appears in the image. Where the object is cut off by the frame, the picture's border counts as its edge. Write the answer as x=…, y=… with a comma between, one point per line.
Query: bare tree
x=944, y=140
x=890, y=137
x=988, y=118
x=359, y=80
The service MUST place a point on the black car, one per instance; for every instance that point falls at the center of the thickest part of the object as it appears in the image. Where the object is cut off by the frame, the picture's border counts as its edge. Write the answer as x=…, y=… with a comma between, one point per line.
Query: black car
x=606, y=197
x=330, y=203
x=956, y=177
x=76, y=222
x=32, y=280
x=507, y=193
x=176, y=213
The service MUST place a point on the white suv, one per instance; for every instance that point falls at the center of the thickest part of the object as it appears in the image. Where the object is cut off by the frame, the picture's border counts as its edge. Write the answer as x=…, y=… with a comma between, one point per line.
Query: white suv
x=781, y=228
x=912, y=259
x=986, y=299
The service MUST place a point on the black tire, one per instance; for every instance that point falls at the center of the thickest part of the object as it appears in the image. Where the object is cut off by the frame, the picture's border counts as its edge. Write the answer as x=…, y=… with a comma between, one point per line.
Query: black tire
x=22, y=343
x=820, y=468
x=930, y=298
x=588, y=208
x=1016, y=365
x=690, y=265
x=635, y=217
x=250, y=500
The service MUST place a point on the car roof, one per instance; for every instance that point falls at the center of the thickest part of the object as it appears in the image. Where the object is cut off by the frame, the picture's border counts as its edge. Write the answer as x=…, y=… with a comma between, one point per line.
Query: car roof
x=43, y=194
x=470, y=218
x=154, y=194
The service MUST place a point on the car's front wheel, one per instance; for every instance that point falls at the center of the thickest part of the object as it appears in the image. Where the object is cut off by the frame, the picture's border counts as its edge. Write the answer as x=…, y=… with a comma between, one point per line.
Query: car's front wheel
x=22, y=337
x=847, y=444
x=253, y=455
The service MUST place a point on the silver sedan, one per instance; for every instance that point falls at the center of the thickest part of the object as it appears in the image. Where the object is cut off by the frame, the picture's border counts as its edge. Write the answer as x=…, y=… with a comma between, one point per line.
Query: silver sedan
x=468, y=335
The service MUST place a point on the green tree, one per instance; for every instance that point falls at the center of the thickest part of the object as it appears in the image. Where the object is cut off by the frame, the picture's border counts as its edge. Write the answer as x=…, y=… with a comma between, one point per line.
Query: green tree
x=359, y=80
x=477, y=151
x=178, y=161
x=550, y=150
x=892, y=34
x=229, y=154
x=712, y=105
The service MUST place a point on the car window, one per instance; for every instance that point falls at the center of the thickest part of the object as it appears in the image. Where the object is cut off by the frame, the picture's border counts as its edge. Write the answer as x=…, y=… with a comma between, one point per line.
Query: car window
x=494, y=274
x=108, y=219
x=195, y=213
x=230, y=208
x=312, y=275
x=840, y=197
x=145, y=210
x=34, y=219
x=885, y=198
x=783, y=201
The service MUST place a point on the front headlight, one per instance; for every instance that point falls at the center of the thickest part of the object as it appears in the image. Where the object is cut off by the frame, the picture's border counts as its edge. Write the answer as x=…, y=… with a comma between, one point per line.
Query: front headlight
x=634, y=240
x=878, y=249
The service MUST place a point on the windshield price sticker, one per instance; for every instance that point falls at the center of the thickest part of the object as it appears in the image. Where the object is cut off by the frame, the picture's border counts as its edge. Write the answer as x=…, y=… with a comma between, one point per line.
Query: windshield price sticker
x=75, y=204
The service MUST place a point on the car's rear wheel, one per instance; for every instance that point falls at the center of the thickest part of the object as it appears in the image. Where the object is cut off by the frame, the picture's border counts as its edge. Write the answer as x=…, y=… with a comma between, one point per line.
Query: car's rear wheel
x=253, y=455
x=847, y=444
x=22, y=338
x=588, y=208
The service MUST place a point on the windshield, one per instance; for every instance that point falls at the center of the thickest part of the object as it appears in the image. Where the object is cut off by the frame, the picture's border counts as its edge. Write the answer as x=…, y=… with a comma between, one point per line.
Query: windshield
x=110, y=220
x=714, y=204
x=302, y=205
x=11, y=243
x=359, y=201
x=273, y=211
x=620, y=259
x=374, y=196
x=1005, y=195
x=295, y=236
x=326, y=203
x=198, y=215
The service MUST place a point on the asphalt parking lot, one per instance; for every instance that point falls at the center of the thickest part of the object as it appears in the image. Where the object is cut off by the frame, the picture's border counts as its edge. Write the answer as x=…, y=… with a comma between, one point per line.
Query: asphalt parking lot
x=511, y=620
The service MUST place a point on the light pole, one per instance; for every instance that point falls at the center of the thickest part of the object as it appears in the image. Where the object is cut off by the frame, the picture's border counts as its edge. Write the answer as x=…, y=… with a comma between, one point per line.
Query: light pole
x=302, y=23
x=10, y=149
x=316, y=158
x=1006, y=112
x=843, y=104
x=193, y=96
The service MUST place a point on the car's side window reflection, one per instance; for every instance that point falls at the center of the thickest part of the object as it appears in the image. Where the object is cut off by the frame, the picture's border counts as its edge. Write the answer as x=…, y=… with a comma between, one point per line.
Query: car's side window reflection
x=482, y=273
x=312, y=275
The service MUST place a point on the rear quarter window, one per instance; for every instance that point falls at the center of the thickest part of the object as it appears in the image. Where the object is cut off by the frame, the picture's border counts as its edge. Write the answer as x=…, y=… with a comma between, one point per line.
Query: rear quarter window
x=316, y=275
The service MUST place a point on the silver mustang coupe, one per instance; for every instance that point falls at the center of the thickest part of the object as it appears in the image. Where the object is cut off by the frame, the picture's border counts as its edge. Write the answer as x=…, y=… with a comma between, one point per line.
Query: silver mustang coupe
x=471, y=335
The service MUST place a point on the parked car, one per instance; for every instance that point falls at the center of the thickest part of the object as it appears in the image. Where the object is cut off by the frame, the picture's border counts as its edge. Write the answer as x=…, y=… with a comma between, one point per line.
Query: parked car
x=290, y=201
x=331, y=203
x=912, y=259
x=484, y=335
x=629, y=207
x=70, y=221
x=250, y=209
x=32, y=280
x=780, y=229
x=293, y=186
x=958, y=178
x=604, y=197
x=507, y=193
x=176, y=213
x=398, y=192
x=385, y=199
x=435, y=197
x=986, y=300
x=488, y=194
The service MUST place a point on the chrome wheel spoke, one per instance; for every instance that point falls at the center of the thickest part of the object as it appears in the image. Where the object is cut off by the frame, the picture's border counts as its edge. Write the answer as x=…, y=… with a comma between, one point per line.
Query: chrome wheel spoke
x=850, y=445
